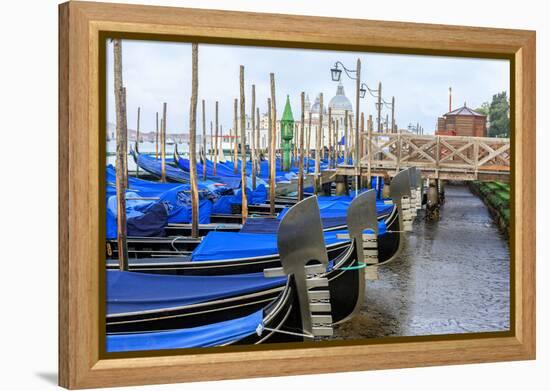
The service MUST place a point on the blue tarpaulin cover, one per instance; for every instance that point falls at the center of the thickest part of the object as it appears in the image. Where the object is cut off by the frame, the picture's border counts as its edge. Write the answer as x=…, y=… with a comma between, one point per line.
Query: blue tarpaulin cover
x=151, y=164
x=133, y=292
x=140, y=186
x=144, y=218
x=174, y=198
x=202, y=336
x=149, y=217
x=226, y=169
x=224, y=203
x=337, y=206
x=218, y=245
x=224, y=174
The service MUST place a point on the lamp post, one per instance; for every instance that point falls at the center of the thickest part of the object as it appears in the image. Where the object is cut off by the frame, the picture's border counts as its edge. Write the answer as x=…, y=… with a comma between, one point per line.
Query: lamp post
x=360, y=92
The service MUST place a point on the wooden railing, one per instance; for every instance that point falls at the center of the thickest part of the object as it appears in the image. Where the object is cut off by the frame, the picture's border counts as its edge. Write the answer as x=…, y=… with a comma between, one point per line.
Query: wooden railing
x=445, y=157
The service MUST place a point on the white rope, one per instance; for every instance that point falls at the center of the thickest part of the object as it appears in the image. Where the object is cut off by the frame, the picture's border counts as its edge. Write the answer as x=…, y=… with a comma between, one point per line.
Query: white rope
x=261, y=328
x=174, y=247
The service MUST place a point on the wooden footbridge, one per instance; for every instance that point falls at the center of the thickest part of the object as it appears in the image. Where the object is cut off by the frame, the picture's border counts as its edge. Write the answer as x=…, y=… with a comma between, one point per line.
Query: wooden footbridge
x=438, y=157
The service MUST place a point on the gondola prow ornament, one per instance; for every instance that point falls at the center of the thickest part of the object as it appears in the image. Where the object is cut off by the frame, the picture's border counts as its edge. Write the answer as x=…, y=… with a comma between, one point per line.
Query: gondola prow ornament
x=303, y=255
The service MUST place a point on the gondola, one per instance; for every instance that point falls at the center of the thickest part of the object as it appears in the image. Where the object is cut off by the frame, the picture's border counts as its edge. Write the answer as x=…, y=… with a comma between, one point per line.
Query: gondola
x=228, y=169
x=177, y=242
x=311, y=311
x=223, y=253
x=173, y=173
x=281, y=315
x=138, y=302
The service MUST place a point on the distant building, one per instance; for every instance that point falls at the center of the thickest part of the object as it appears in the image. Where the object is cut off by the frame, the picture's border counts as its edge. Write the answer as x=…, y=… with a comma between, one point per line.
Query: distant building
x=339, y=105
x=462, y=122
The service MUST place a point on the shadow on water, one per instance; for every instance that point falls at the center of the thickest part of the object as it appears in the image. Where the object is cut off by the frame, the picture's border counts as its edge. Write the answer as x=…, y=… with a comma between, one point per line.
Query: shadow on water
x=452, y=277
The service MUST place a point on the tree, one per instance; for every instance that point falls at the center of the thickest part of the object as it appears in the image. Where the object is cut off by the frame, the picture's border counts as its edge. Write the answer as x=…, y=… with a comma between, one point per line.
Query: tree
x=499, y=117
x=484, y=108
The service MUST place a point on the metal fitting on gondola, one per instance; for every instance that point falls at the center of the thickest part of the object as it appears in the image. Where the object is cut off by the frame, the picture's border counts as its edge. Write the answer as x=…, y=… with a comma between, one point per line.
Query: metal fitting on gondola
x=370, y=248
x=407, y=213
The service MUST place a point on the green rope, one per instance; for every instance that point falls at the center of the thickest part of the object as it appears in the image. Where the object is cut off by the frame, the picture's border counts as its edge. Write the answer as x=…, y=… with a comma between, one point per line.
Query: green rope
x=360, y=265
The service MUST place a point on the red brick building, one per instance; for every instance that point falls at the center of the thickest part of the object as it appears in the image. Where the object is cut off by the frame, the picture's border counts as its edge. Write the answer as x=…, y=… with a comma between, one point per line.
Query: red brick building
x=462, y=122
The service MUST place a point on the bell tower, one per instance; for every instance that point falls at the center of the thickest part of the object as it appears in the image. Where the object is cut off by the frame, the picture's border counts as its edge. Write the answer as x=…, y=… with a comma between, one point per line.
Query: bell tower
x=287, y=133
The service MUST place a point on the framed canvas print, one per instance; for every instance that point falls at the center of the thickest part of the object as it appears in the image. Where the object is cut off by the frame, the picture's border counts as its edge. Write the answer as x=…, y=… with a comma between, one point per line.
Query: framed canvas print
x=247, y=195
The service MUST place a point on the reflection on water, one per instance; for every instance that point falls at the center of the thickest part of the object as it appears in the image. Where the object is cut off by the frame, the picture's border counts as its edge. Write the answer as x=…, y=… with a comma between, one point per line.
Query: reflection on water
x=453, y=277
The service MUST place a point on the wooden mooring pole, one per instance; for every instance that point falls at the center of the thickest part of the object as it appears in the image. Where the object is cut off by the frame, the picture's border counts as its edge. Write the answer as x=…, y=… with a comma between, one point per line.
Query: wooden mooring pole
x=295, y=149
x=379, y=107
x=204, y=139
x=211, y=141
x=157, y=135
x=301, y=146
x=362, y=150
x=308, y=143
x=253, y=136
x=193, y=142
x=351, y=139
x=346, y=137
x=357, y=115
x=216, y=141
x=393, y=115
x=220, y=143
x=236, y=143
x=269, y=135
x=258, y=153
x=318, y=147
x=121, y=173
x=336, y=145
x=329, y=135
x=369, y=150
x=137, y=138
x=433, y=202
x=272, y=158
x=163, y=145
x=244, y=209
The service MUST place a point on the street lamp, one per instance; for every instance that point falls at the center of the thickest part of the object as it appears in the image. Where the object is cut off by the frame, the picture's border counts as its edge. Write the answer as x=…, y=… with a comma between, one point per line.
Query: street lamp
x=363, y=90
x=335, y=73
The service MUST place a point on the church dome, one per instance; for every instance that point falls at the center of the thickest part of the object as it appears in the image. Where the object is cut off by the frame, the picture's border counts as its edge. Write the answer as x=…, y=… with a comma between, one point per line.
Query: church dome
x=340, y=101
x=316, y=105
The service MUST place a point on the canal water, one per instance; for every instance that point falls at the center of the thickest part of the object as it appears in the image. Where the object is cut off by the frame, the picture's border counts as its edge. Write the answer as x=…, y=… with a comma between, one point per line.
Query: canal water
x=452, y=277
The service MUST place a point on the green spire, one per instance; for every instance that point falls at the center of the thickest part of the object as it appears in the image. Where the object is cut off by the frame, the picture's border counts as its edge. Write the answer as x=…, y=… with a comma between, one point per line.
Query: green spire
x=287, y=133
x=287, y=112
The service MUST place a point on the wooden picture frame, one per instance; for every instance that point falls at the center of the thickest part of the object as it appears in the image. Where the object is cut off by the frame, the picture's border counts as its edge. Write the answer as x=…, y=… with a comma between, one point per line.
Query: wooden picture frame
x=81, y=248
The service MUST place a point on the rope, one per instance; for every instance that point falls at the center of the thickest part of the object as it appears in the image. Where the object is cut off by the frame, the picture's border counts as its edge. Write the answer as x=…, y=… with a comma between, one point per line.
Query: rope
x=360, y=265
x=261, y=328
x=174, y=247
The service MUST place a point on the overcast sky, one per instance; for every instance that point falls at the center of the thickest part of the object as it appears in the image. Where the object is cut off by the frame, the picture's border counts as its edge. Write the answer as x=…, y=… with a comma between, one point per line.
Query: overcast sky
x=157, y=72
